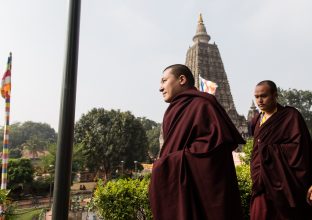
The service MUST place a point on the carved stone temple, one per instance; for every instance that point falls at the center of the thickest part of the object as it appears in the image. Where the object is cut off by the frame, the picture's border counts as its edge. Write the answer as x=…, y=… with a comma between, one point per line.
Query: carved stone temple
x=204, y=59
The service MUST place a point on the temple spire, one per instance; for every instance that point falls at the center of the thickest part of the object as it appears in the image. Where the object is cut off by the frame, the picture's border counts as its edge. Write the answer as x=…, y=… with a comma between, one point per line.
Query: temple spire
x=201, y=33
x=252, y=111
x=253, y=106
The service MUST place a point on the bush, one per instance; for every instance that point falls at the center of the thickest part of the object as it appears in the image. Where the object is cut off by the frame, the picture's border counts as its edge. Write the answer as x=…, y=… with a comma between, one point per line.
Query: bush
x=123, y=199
x=244, y=184
x=244, y=178
x=247, y=150
x=41, y=185
x=127, y=199
x=7, y=207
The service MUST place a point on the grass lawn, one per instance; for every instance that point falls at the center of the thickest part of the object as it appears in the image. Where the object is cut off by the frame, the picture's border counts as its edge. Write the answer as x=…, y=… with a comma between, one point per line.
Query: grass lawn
x=89, y=186
x=25, y=214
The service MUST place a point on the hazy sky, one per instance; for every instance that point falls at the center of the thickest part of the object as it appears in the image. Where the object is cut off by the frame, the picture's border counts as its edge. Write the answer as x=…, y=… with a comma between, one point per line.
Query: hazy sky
x=125, y=45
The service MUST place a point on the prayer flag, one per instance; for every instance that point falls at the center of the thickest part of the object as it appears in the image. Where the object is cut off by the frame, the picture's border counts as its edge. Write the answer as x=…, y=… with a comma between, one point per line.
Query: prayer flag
x=207, y=86
x=6, y=80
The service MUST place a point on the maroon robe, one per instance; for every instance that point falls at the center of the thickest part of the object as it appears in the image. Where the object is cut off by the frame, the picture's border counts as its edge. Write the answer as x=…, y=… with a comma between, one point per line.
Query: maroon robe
x=281, y=167
x=194, y=178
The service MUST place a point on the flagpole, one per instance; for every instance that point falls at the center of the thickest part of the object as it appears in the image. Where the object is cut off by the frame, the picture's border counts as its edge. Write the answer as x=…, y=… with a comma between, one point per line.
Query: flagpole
x=63, y=167
x=6, y=93
x=5, y=151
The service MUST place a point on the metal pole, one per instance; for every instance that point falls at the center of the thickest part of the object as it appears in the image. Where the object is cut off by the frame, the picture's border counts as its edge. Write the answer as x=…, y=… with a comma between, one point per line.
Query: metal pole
x=51, y=178
x=50, y=194
x=122, y=168
x=135, y=168
x=67, y=117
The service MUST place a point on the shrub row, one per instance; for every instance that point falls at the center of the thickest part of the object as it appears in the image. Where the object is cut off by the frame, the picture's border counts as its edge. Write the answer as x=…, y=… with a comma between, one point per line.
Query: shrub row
x=127, y=199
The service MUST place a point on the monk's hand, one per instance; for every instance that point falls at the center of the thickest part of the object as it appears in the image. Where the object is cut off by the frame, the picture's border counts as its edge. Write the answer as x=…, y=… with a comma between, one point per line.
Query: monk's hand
x=309, y=196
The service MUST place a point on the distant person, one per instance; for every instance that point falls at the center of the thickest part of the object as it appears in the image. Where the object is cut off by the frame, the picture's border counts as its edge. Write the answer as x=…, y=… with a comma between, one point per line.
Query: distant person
x=194, y=177
x=281, y=164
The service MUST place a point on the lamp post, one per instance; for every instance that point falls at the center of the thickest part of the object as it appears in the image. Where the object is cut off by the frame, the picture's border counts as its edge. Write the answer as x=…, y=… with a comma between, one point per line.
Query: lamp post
x=51, y=177
x=135, y=168
x=122, y=167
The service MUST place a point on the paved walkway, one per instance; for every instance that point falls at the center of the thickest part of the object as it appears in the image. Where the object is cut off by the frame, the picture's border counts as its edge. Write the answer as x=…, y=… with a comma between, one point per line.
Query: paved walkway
x=48, y=215
x=76, y=216
x=33, y=202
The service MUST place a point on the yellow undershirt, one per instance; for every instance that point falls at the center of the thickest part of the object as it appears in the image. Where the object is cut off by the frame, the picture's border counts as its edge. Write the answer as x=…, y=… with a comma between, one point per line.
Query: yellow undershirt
x=264, y=118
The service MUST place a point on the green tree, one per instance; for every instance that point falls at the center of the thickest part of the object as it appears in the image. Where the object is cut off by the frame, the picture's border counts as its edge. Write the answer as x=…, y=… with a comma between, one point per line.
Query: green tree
x=28, y=133
x=20, y=173
x=42, y=131
x=47, y=162
x=15, y=153
x=16, y=135
x=35, y=145
x=152, y=130
x=109, y=137
x=15, y=141
x=300, y=99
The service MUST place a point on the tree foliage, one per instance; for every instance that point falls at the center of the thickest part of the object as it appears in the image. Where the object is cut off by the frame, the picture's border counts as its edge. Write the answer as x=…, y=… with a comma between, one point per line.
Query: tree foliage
x=108, y=137
x=47, y=162
x=6, y=205
x=3, y=196
x=300, y=99
x=32, y=135
x=35, y=144
x=152, y=130
x=20, y=173
x=42, y=130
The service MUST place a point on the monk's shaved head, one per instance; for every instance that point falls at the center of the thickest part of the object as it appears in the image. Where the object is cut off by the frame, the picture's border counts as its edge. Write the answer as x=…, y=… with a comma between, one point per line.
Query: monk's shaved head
x=271, y=85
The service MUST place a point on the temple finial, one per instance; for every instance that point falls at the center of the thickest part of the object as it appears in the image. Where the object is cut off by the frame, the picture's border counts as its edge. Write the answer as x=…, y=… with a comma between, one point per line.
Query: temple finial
x=200, y=19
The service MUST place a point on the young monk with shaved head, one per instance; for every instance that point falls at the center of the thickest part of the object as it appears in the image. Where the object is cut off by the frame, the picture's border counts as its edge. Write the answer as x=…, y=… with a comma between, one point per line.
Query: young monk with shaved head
x=194, y=177
x=281, y=164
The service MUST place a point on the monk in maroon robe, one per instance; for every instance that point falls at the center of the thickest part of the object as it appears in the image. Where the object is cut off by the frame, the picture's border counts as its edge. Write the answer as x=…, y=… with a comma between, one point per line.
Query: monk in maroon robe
x=281, y=164
x=194, y=177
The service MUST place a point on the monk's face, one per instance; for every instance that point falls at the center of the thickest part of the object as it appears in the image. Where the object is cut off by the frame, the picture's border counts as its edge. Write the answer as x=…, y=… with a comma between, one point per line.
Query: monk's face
x=171, y=86
x=265, y=99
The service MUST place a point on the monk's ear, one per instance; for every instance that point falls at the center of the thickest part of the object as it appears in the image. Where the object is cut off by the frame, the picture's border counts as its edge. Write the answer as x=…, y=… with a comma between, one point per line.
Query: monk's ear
x=275, y=95
x=183, y=80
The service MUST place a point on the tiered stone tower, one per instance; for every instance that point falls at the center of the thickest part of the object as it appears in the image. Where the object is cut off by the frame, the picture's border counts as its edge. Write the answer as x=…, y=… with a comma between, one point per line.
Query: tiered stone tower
x=253, y=112
x=204, y=60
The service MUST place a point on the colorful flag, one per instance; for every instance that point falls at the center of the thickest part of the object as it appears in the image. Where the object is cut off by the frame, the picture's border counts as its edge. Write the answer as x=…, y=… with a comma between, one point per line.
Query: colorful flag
x=6, y=80
x=207, y=86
